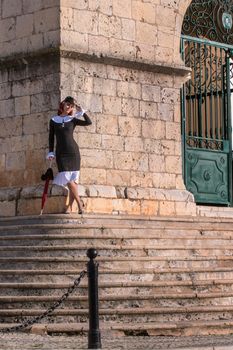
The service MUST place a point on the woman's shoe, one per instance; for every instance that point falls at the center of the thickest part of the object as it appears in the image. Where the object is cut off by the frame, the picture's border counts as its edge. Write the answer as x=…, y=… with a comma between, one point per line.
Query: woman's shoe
x=68, y=210
x=80, y=210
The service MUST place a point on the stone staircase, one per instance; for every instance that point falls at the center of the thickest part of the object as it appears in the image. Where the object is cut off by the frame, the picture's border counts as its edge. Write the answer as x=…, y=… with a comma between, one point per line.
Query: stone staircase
x=157, y=276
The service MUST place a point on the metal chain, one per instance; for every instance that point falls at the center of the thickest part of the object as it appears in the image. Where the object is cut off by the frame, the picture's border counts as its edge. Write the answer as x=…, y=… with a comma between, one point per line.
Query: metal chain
x=49, y=311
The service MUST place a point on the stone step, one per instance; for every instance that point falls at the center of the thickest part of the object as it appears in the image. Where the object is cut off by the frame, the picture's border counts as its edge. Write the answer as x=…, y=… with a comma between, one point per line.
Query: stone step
x=117, y=262
x=135, y=231
x=122, y=271
x=120, y=220
x=156, y=271
x=113, y=251
x=184, y=328
x=211, y=285
x=31, y=233
x=110, y=242
x=121, y=301
x=120, y=275
x=109, y=297
x=130, y=314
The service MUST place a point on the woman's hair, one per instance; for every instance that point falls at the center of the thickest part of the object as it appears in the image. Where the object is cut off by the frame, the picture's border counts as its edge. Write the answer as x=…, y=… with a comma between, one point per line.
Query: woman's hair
x=61, y=107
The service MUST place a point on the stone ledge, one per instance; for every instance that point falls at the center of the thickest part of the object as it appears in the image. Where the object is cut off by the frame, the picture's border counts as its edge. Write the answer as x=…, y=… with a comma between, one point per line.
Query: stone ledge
x=162, y=68
x=23, y=59
x=98, y=199
x=9, y=194
x=92, y=191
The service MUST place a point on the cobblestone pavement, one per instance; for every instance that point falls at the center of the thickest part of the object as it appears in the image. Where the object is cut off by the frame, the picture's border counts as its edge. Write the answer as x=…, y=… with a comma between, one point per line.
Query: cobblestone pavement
x=38, y=342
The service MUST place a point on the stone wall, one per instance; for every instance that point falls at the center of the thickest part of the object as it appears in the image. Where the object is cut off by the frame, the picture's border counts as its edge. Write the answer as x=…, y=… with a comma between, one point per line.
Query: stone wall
x=28, y=26
x=121, y=60
x=145, y=31
x=135, y=137
x=29, y=95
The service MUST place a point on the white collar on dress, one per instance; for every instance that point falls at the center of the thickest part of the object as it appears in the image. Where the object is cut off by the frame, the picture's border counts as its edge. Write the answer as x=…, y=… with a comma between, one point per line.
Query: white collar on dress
x=62, y=119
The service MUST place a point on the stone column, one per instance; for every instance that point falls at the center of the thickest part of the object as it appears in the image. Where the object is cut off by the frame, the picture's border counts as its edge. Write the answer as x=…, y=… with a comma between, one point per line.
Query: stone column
x=121, y=60
x=29, y=93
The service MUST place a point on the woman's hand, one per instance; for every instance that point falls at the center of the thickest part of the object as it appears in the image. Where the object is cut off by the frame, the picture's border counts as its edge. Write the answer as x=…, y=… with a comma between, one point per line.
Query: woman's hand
x=50, y=156
x=79, y=111
x=78, y=108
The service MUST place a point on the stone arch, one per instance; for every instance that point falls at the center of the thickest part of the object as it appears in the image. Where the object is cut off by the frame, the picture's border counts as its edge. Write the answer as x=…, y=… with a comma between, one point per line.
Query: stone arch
x=181, y=10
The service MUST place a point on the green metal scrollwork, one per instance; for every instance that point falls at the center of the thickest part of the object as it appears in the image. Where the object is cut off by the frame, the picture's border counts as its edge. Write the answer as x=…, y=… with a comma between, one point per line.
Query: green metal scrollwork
x=210, y=19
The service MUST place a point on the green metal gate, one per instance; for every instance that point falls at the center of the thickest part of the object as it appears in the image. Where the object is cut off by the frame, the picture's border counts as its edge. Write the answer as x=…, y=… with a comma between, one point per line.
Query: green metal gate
x=206, y=121
x=207, y=48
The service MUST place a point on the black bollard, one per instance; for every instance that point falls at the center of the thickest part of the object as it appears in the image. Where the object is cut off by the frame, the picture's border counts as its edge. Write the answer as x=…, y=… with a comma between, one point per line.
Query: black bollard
x=94, y=337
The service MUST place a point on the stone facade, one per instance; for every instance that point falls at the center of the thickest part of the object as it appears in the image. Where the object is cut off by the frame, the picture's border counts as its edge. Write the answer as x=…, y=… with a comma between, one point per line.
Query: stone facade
x=121, y=60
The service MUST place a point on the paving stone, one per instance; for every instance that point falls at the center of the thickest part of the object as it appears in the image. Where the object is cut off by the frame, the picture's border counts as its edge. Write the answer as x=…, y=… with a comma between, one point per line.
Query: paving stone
x=15, y=341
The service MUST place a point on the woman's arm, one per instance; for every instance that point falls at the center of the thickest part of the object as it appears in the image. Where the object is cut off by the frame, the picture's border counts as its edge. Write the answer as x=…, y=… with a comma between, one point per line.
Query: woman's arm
x=85, y=122
x=51, y=140
x=51, y=136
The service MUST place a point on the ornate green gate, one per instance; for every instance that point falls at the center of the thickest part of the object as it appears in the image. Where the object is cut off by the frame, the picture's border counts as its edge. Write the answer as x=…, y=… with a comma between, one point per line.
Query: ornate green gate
x=206, y=101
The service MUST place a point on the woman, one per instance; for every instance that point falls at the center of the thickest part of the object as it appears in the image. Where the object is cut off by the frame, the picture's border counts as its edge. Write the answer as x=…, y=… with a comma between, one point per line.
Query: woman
x=67, y=150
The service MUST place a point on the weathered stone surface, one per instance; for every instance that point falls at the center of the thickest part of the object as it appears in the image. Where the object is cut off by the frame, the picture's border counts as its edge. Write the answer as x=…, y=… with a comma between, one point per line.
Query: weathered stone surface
x=143, y=12
x=15, y=161
x=24, y=25
x=107, y=124
x=58, y=191
x=149, y=110
x=173, y=164
x=113, y=142
x=154, y=129
x=131, y=161
x=92, y=141
x=97, y=159
x=186, y=208
x=118, y=177
x=2, y=161
x=129, y=126
x=32, y=192
x=134, y=140
x=29, y=6
x=93, y=176
x=7, y=108
x=151, y=93
x=8, y=208
x=11, y=8
x=9, y=194
x=7, y=27
x=149, y=207
x=130, y=107
x=140, y=178
x=22, y=105
x=166, y=208
x=102, y=191
x=32, y=206
x=46, y=20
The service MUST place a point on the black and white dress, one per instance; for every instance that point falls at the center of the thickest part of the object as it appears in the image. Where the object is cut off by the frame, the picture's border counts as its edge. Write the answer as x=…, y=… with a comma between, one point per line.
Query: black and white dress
x=67, y=151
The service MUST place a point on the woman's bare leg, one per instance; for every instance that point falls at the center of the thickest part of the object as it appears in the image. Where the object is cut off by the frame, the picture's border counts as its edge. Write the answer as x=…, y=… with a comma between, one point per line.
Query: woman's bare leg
x=74, y=189
x=70, y=202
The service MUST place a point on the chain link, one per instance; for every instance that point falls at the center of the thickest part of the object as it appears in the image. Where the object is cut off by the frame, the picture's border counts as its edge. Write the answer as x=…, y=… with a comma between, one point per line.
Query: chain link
x=49, y=311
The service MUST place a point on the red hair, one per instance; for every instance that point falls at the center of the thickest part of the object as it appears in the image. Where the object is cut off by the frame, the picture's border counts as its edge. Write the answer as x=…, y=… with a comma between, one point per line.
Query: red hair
x=61, y=107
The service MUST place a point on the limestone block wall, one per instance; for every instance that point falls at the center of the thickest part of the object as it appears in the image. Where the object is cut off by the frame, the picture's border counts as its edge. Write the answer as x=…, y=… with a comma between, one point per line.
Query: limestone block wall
x=131, y=154
x=29, y=93
x=135, y=30
x=121, y=60
x=28, y=26
x=135, y=138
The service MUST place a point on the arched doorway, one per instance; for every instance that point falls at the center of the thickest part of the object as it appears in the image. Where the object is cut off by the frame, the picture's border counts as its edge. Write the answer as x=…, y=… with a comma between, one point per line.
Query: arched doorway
x=206, y=47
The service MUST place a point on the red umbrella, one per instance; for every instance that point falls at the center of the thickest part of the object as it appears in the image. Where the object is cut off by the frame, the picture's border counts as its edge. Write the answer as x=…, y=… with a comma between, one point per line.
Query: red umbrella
x=46, y=177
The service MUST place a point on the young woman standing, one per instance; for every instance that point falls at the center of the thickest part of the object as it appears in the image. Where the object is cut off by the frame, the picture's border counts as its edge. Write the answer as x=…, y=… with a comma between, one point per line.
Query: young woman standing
x=67, y=151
